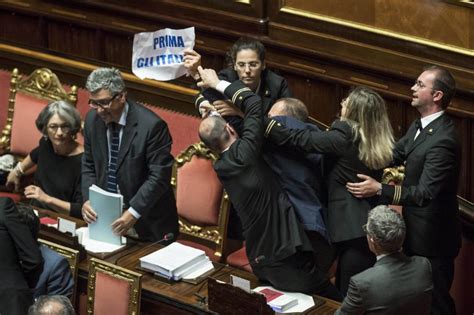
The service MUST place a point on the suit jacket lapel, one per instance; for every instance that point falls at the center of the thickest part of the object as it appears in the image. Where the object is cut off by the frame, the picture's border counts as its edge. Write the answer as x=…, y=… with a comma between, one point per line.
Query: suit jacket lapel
x=128, y=134
x=426, y=132
x=102, y=138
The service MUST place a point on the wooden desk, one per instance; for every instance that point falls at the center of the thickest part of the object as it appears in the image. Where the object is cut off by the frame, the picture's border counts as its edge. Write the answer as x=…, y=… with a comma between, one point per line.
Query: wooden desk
x=159, y=297
x=178, y=298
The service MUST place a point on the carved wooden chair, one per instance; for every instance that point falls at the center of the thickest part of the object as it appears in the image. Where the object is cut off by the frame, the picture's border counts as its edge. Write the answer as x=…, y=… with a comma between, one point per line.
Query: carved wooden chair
x=28, y=96
x=203, y=205
x=112, y=289
x=72, y=257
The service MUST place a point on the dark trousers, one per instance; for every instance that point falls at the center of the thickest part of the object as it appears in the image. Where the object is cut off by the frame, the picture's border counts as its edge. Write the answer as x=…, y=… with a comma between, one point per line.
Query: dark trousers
x=443, y=274
x=324, y=252
x=234, y=227
x=354, y=256
x=297, y=273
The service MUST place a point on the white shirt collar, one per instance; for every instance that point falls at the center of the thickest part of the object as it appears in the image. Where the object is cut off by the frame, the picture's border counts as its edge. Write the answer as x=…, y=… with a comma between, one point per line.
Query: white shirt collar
x=425, y=121
x=123, y=118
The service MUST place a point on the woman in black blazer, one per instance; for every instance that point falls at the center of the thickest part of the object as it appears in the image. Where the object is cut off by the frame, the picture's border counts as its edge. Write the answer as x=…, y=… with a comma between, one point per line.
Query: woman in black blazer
x=361, y=142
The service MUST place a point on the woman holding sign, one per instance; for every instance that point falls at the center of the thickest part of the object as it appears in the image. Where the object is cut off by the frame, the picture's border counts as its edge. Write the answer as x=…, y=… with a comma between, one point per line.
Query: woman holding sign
x=248, y=65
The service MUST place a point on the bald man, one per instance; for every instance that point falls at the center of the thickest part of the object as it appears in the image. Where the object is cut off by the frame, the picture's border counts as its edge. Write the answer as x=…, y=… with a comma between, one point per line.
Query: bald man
x=270, y=225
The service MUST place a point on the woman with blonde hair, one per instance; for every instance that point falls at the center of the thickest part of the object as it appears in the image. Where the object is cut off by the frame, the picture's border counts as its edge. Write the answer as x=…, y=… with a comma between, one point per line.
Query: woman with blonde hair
x=361, y=142
x=57, y=181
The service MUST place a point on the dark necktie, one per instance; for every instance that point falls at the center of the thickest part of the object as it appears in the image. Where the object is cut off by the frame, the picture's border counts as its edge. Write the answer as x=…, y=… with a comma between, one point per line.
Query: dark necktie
x=418, y=125
x=114, y=130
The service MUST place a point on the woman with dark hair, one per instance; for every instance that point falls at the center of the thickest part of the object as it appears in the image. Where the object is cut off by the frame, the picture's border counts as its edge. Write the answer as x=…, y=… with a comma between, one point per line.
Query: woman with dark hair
x=247, y=57
x=361, y=142
x=58, y=159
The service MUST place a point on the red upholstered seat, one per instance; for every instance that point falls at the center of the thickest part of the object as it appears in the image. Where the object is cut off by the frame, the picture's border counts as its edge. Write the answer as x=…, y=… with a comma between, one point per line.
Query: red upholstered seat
x=183, y=128
x=112, y=289
x=199, y=193
x=239, y=259
x=15, y=197
x=25, y=136
x=201, y=202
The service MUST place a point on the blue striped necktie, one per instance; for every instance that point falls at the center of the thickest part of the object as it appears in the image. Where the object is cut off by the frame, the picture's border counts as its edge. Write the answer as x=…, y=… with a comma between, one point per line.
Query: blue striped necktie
x=114, y=143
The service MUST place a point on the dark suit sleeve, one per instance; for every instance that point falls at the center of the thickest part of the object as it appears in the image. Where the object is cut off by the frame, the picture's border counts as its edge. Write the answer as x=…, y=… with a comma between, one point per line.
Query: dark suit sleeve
x=250, y=143
x=438, y=165
x=60, y=281
x=89, y=177
x=159, y=162
x=26, y=246
x=212, y=95
x=334, y=141
x=353, y=302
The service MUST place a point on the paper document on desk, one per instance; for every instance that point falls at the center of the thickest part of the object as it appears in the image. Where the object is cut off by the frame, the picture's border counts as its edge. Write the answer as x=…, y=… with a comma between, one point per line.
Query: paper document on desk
x=282, y=301
x=94, y=246
x=108, y=207
x=175, y=261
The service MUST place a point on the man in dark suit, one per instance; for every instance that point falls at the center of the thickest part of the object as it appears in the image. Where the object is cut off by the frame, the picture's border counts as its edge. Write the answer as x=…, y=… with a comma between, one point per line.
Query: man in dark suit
x=21, y=261
x=247, y=56
x=396, y=284
x=56, y=277
x=431, y=153
x=127, y=150
x=270, y=225
x=300, y=176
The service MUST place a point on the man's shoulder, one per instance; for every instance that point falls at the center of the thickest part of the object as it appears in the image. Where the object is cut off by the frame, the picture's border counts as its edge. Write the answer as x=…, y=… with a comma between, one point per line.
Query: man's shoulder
x=50, y=256
x=144, y=114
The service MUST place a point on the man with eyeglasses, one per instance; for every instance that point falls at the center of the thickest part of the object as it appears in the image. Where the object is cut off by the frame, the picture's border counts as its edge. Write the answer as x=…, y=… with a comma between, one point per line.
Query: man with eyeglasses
x=396, y=284
x=127, y=151
x=430, y=152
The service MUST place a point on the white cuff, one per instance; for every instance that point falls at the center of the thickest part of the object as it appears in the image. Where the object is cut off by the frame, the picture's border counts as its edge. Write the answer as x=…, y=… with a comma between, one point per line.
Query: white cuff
x=133, y=212
x=222, y=85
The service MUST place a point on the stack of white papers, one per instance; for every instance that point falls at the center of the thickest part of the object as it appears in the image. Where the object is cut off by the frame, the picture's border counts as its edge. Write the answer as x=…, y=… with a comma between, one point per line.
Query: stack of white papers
x=177, y=261
x=277, y=300
x=286, y=302
x=94, y=246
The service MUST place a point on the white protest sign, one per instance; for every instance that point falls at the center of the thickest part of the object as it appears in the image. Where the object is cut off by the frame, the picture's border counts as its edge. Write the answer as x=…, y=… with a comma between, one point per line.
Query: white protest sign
x=159, y=55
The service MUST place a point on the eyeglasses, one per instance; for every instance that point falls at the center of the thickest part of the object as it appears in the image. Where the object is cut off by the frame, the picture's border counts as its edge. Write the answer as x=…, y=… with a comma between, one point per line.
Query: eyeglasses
x=64, y=128
x=421, y=85
x=104, y=103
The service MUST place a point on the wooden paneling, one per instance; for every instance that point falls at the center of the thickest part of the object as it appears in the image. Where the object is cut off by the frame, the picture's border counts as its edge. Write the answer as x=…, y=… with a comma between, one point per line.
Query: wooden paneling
x=430, y=19
x=74, y=40
x=361, y=11
x=21, y=28
x=435, y=20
